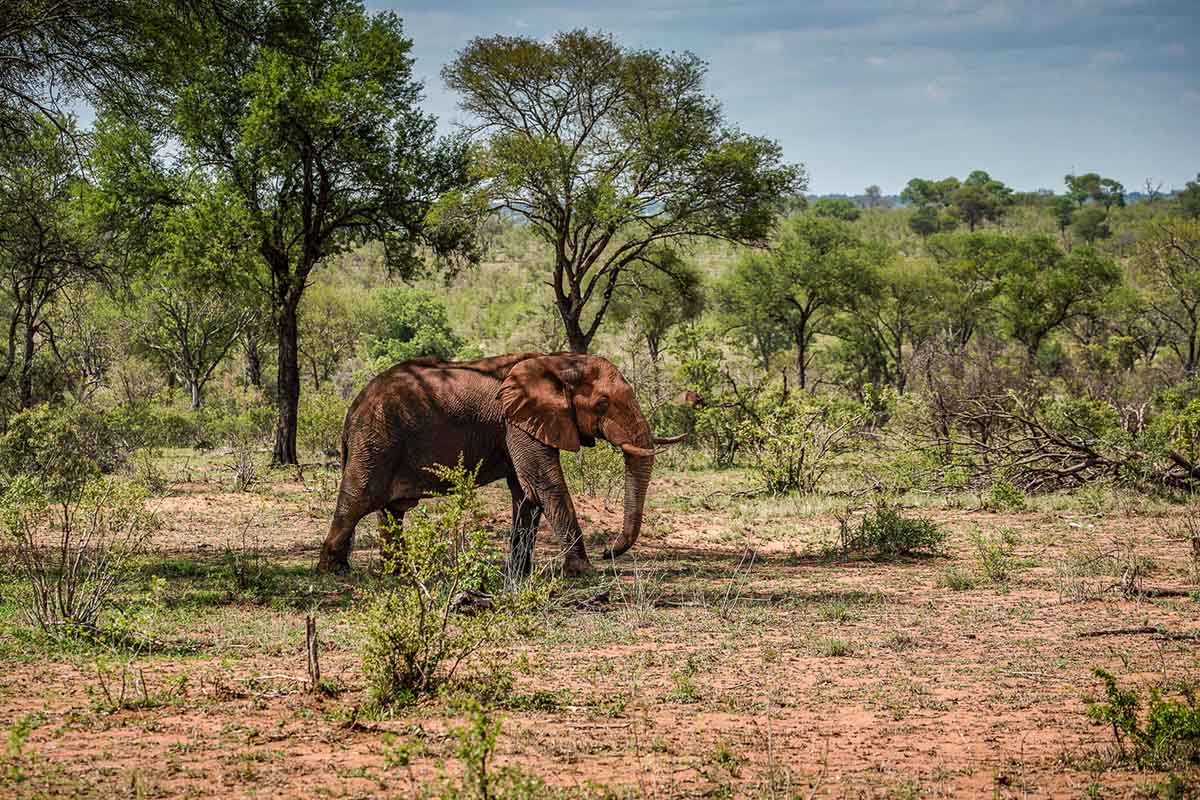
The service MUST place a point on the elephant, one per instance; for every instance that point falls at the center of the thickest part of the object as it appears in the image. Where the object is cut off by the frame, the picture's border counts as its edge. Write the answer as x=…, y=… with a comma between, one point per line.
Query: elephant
x=508, y=416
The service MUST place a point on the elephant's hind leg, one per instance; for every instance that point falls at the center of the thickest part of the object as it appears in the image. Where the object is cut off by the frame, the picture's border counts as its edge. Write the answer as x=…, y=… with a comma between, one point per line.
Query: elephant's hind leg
x=527, y=514
x=391, y=523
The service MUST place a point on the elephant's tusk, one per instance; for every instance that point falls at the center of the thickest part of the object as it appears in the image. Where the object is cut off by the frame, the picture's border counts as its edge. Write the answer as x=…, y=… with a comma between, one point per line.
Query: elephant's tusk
x=634, y=450
x=670, y=439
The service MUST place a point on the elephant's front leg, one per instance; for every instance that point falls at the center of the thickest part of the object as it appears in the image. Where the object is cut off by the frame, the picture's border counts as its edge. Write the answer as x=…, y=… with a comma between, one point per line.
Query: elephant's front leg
x=541, y=477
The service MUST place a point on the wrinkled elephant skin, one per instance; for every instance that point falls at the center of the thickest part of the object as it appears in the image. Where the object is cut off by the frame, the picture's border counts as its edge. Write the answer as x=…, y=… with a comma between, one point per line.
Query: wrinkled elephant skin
x=509, y=416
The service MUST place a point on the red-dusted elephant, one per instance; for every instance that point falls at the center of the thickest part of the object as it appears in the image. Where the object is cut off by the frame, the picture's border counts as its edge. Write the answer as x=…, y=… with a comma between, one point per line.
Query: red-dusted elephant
x=510, y=415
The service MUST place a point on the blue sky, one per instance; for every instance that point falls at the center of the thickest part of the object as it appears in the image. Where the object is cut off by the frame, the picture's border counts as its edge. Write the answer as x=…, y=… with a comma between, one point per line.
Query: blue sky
x=869, y=91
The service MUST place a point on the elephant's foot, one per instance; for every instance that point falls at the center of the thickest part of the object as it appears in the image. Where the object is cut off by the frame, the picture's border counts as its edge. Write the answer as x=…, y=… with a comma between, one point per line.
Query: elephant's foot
x=577, y=567
x=333, y=563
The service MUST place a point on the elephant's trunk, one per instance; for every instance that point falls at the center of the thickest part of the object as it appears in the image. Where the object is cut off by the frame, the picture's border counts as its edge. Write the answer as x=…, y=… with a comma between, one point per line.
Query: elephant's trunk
x=639, y=461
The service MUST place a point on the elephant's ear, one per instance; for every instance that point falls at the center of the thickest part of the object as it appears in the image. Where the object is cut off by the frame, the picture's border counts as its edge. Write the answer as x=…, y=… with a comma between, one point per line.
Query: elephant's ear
x=537, y=400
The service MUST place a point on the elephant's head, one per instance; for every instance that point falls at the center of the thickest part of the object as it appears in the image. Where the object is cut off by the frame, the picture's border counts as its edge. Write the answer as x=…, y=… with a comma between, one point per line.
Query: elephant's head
x=567, y=400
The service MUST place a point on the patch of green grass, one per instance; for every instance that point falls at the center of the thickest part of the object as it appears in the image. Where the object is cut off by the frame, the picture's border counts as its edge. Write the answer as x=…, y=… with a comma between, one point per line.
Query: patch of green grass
x=956, y=579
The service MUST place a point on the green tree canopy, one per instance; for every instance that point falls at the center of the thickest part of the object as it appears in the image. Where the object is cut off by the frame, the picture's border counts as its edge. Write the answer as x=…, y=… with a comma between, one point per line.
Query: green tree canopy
x=817, y=265
x=45, y=245
x=664, y=291
x=415, y=325
x=607, y=151
x=310, y=113
x=1091, y=224
x=1092, y=186
x=1189, y=199
x=980, y=199
x=922, y=192
x=837, y=207
x=1041, y=287
x=1168, y=262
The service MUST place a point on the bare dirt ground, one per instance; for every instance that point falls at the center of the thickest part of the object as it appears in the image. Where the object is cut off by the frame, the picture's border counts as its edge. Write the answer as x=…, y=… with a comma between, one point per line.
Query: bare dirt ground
x=731, y=658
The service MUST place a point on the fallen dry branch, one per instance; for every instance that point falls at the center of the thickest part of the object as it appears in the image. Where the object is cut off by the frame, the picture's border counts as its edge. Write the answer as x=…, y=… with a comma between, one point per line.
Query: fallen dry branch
x=1143, y=630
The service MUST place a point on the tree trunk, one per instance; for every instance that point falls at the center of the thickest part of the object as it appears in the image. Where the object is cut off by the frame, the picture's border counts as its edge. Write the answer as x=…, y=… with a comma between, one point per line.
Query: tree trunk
x=287, y=395
x=577, y=340
x=253, y=362
x=194, y=386
x=801, y=358
x=27, y=363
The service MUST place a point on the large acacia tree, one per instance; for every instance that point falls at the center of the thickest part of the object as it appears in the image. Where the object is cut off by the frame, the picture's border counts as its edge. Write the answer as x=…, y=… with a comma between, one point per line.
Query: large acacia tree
x=309, y=112
x=608, y=150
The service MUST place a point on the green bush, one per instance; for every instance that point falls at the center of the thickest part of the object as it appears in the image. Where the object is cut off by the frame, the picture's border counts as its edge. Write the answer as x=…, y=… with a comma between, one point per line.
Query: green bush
x=62, y=449
x=319, y=428
x=793, y=442
x=887, y=533
x=994, y=555
x=1169, y=735
x=74, y=550
x=416, y=326
x=413, y=641
x=1003, y=496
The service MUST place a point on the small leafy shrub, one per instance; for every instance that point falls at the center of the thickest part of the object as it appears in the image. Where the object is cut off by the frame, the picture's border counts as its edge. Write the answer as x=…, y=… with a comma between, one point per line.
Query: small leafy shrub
x=319, y=427
x=595, y=471
x=833, y=647
x=885, y=532
x=1186, y=528
x=957, y=579
x=793, y=443
x=1003, y=496
x=246, y=569
x=74, y=551
x=686, y=690
x=995, y=561
x=416, y=326
x=413, y=640
x=1165, y=736
x=481, y=778
x=143, y=464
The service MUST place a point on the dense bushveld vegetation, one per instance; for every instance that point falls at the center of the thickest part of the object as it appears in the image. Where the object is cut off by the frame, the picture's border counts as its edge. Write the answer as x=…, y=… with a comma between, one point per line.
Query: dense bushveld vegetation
x=198, y=268
x=261, y=218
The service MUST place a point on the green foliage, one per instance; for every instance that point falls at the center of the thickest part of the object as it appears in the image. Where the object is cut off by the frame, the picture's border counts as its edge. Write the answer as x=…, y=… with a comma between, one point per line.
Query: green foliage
x=995, y=561
x=655, y=162
x=703, y=369
x=322, y=415
x=980, y=199
x=1091, y=224
x=793, y=293
x=60, y=449
x=1003, y=496
x=792, y=442
x=1167, y=262
x=1189, y=199
x=662, y=292
x=413, y=642
x=1041, y=287
x=414, y=326
x=1091, y=186
x=1169, y=735
x=836, y=207
x=927, y=220
x=885, y=532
